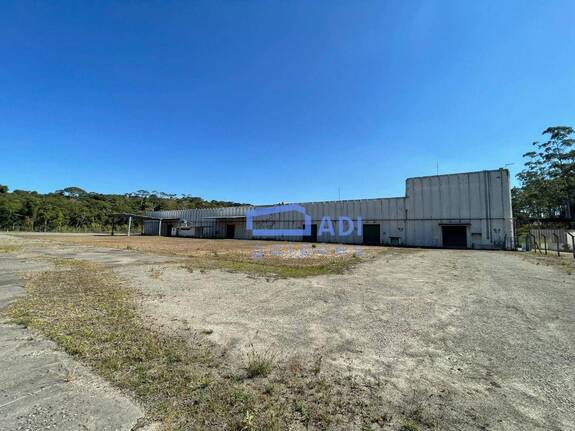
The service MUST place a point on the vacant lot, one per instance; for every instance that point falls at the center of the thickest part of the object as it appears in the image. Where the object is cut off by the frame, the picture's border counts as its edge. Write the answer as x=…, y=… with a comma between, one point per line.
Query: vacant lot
x=283, y=259
x=188, y=247
x=400, y=339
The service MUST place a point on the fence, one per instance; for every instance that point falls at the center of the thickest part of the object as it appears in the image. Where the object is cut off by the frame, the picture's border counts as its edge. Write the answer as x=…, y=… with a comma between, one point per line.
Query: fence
x=557, y=240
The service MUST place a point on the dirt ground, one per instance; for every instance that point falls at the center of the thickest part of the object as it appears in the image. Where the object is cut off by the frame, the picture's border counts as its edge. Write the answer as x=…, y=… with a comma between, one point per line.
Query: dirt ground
x=187, y=247
x=479, y=340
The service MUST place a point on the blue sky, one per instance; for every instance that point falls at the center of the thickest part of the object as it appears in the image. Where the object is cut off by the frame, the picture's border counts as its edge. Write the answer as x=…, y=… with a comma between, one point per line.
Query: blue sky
x=267, y=101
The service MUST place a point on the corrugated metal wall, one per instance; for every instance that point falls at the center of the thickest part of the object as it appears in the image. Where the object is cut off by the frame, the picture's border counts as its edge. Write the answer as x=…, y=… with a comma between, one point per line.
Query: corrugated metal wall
x=479, y=200
x=542, y=235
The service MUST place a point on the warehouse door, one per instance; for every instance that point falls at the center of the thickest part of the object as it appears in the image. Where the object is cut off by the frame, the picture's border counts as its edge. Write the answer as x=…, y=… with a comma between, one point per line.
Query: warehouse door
x=454, y=236
x=230, y=231
x=371, y=235
x=313, y=234
x=167, y=229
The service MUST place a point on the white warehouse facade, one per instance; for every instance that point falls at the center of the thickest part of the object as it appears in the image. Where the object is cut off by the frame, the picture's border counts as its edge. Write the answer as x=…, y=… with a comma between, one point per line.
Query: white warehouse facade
x=465, y=210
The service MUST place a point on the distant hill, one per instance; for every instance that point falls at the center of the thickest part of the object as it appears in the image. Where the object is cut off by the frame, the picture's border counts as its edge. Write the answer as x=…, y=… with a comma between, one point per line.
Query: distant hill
x=75, y=210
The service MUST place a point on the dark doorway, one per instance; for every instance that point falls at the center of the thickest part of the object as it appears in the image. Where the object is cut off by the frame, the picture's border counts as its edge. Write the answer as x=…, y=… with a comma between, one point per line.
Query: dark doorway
x=371, y=234
x=230, y=231
x=313, y=234
x=454, y=236
x=166, y=229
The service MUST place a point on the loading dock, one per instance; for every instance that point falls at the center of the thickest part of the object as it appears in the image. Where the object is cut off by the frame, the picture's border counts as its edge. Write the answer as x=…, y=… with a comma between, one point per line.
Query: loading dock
x=371, y=234
x=454, y=236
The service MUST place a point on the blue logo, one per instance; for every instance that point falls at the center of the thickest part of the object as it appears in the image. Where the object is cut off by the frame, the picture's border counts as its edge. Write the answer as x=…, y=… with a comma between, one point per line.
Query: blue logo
x=280, y=209
x=345, y=225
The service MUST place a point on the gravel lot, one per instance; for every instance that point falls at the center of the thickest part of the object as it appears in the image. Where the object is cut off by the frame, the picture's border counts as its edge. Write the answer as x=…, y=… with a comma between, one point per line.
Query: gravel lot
x=481, y=340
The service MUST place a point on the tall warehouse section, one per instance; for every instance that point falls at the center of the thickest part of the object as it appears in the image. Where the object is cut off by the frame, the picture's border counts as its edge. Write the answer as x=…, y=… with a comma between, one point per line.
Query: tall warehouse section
x=466, y=210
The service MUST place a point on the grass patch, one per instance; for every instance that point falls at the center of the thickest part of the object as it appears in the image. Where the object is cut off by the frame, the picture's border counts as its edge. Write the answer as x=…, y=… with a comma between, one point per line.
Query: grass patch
x=273, y=267
x=186, y=382
x=239, y=255
x=409, y=425
x=9, y=248
x=564, y=262
x=294, y=267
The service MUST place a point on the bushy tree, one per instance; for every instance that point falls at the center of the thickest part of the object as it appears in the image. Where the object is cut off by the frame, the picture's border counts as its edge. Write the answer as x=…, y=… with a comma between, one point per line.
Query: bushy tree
x=548, y=180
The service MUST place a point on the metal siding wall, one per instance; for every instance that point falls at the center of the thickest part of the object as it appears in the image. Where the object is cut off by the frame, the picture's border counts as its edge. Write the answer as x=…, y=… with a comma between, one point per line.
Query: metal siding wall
x=482, y=199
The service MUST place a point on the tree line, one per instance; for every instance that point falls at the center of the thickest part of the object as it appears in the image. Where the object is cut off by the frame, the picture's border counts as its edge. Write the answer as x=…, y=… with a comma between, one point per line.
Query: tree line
x=76, y=210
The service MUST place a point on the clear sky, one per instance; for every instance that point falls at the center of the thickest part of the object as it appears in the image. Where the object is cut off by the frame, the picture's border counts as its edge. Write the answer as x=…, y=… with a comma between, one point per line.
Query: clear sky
x=268, y=101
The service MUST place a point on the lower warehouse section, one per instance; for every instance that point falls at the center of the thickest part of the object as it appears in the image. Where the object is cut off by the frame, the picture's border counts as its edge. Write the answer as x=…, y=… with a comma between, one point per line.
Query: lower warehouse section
x=467, y=210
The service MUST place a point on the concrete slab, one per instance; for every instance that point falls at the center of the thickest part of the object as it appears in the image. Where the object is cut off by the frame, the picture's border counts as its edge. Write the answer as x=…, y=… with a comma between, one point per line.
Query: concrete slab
x=43, y=388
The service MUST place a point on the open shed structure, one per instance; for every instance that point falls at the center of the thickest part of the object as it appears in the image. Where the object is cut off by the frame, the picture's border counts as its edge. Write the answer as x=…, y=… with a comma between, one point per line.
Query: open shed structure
x=164, y=225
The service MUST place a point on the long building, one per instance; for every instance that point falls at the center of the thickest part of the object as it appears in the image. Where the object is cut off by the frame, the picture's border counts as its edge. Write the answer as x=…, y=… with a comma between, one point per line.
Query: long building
x=465, y=210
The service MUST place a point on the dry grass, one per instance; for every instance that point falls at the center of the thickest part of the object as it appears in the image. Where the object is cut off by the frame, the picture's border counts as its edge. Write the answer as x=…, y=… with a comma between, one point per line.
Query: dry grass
x=194, y=247
x=9, y=248
x=565, y=262
x=259, y=258
x=186, y=383
x=273, y=267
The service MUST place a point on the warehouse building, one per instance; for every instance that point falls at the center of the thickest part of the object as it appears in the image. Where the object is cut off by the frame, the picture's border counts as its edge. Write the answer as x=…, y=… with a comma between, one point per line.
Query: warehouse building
x=466, y=210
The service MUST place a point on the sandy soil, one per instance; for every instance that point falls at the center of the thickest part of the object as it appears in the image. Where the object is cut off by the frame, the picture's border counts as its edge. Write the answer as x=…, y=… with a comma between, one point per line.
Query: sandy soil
x=482, y=340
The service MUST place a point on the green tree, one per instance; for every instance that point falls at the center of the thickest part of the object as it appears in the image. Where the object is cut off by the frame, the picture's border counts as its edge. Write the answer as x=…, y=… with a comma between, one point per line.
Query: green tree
x=548, y=180
x=78, y=210
x=72, y=192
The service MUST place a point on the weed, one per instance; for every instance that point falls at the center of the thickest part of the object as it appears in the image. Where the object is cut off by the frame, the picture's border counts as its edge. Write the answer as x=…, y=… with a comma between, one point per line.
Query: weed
x=302, y=409
x=409, y=425
x=155, y=273
x=418, y=412
x=71, y=374
x=317, y=364
x=259, y=364
x=248, y=421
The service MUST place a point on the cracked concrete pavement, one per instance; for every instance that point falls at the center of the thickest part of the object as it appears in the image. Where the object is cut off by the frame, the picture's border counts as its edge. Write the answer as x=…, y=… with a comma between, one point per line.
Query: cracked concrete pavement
x=42, y=387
